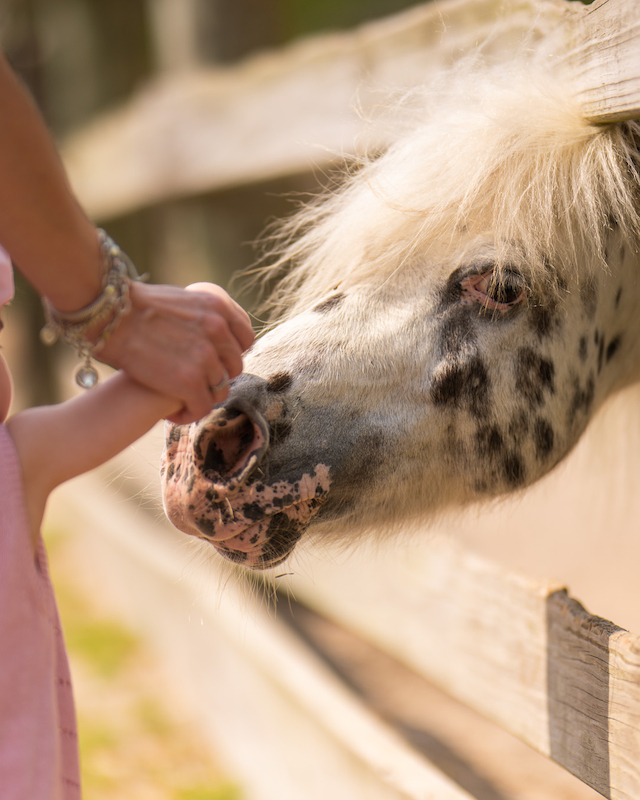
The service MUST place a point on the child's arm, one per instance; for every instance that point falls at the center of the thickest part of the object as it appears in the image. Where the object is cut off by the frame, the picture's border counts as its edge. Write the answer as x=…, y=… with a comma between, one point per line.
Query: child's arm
x=56, y=443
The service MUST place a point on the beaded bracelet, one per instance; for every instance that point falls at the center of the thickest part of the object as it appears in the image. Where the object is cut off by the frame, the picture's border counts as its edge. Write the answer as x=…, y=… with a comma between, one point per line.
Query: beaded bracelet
x=112, y=304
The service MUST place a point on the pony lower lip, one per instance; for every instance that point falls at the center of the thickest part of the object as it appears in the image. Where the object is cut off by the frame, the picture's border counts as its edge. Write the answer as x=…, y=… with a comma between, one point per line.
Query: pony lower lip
x=242, y=537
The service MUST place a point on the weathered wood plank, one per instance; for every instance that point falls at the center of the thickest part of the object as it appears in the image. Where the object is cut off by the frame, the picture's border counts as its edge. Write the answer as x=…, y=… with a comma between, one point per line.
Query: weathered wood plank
x=603, y=54
x=524, y=654
x=278, y=113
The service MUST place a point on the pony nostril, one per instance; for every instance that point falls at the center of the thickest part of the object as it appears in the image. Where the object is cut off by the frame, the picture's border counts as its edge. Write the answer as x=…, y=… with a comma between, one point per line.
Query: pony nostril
x=232, y=443
x=230, y=446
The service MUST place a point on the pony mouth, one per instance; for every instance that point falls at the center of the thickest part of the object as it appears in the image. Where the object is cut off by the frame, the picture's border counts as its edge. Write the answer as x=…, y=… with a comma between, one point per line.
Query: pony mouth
x=259, y=525
x=267, y=542
x=255, y=525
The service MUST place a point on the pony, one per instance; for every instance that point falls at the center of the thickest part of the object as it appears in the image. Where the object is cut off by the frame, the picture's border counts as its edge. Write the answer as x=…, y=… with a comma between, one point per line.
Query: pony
x=447, y=321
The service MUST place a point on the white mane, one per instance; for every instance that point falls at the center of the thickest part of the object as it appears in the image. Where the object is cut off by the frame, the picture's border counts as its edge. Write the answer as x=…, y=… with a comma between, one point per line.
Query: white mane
x=499, y=151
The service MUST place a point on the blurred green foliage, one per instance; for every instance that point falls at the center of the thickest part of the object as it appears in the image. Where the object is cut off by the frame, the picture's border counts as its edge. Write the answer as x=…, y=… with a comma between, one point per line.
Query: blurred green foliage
x=302, y=17
x=105, y=644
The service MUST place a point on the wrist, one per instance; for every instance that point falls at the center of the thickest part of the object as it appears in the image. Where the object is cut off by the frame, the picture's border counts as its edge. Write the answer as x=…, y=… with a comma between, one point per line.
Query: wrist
x=88, y=328
x=79, y=260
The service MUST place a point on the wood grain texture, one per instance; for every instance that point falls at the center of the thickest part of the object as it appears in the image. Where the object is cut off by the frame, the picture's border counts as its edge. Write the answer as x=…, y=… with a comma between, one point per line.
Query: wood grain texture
x=603, y=56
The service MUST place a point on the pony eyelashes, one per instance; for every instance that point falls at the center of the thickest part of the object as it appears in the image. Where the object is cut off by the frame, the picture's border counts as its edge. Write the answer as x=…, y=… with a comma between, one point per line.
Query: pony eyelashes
x=492, y=292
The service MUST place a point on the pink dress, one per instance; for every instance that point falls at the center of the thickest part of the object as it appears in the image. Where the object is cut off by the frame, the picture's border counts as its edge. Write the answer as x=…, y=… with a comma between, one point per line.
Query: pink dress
x=38, y=739
x=6, y=277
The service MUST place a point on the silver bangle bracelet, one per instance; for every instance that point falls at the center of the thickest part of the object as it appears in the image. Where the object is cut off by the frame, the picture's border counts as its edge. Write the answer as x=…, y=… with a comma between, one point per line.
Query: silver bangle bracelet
x=112, y=304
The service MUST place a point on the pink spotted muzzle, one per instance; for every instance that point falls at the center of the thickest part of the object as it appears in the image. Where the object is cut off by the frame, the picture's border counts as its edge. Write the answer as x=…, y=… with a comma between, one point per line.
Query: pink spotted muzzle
x=214, y=486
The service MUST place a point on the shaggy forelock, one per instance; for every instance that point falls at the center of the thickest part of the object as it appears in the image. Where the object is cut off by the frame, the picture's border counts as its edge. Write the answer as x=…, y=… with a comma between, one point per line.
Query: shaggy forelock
x=500, y=152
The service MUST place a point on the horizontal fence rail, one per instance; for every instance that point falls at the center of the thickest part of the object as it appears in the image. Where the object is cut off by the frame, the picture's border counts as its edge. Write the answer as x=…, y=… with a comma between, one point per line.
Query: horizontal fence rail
x=285, y=112
x=524, y=654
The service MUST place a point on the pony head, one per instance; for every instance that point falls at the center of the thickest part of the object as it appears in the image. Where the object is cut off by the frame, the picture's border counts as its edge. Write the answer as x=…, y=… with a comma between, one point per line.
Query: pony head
x=448, y=321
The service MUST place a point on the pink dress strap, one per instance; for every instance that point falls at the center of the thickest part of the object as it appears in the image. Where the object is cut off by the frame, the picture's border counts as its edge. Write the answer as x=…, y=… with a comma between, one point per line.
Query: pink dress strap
x=38, y=739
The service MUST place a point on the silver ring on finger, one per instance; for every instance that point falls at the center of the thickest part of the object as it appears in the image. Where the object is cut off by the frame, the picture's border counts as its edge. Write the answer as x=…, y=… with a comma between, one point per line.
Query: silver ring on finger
x=223, y=383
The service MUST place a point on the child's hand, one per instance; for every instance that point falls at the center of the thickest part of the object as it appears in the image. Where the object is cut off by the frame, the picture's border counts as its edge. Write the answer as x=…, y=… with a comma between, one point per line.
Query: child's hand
x=181, y=343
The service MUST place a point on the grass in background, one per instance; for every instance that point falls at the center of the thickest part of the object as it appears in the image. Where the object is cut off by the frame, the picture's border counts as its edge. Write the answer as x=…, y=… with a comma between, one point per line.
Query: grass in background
x=132, y=744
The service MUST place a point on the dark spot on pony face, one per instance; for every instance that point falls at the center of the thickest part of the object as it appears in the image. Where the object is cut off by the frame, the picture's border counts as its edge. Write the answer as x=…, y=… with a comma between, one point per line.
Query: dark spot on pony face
x=282, y=536
x=237, y=556
x=457, y=332
x=544, y=317
x=331, y=302
x=543, y=437
x=513, y=470
x=175, y=432
x=601, y=354
x=279, y=382
x=618, y=297
x=212, y=495
x=613, y=347
x=583, y=349
x=589, y=296
x=489, y=441
x=582, y=399
x=205, y=525
x=463, y=385
x=534, y=376
x=453, y=290
x=253, y=511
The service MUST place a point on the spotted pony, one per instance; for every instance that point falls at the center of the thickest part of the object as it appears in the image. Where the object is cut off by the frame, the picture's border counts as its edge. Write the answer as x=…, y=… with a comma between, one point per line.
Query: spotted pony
x=448, y=323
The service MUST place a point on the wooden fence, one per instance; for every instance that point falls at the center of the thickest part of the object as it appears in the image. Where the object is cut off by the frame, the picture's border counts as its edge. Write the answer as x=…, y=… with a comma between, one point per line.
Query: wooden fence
x=522, y=653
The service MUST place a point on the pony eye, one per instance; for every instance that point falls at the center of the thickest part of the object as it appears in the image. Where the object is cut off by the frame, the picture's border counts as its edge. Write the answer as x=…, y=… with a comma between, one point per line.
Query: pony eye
x=497, y=293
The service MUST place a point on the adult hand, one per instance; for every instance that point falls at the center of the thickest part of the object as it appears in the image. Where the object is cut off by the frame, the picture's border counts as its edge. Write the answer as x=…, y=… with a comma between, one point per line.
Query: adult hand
x=184, y=343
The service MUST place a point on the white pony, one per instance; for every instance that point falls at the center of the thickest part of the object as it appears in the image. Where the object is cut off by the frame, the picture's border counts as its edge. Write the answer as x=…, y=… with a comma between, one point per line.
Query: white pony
x=450, y=320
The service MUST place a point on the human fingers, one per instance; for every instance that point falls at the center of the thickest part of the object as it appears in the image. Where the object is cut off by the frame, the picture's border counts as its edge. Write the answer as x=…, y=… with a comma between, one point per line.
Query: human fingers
x=180, y=344
x=202, y=402
x=236, y=317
